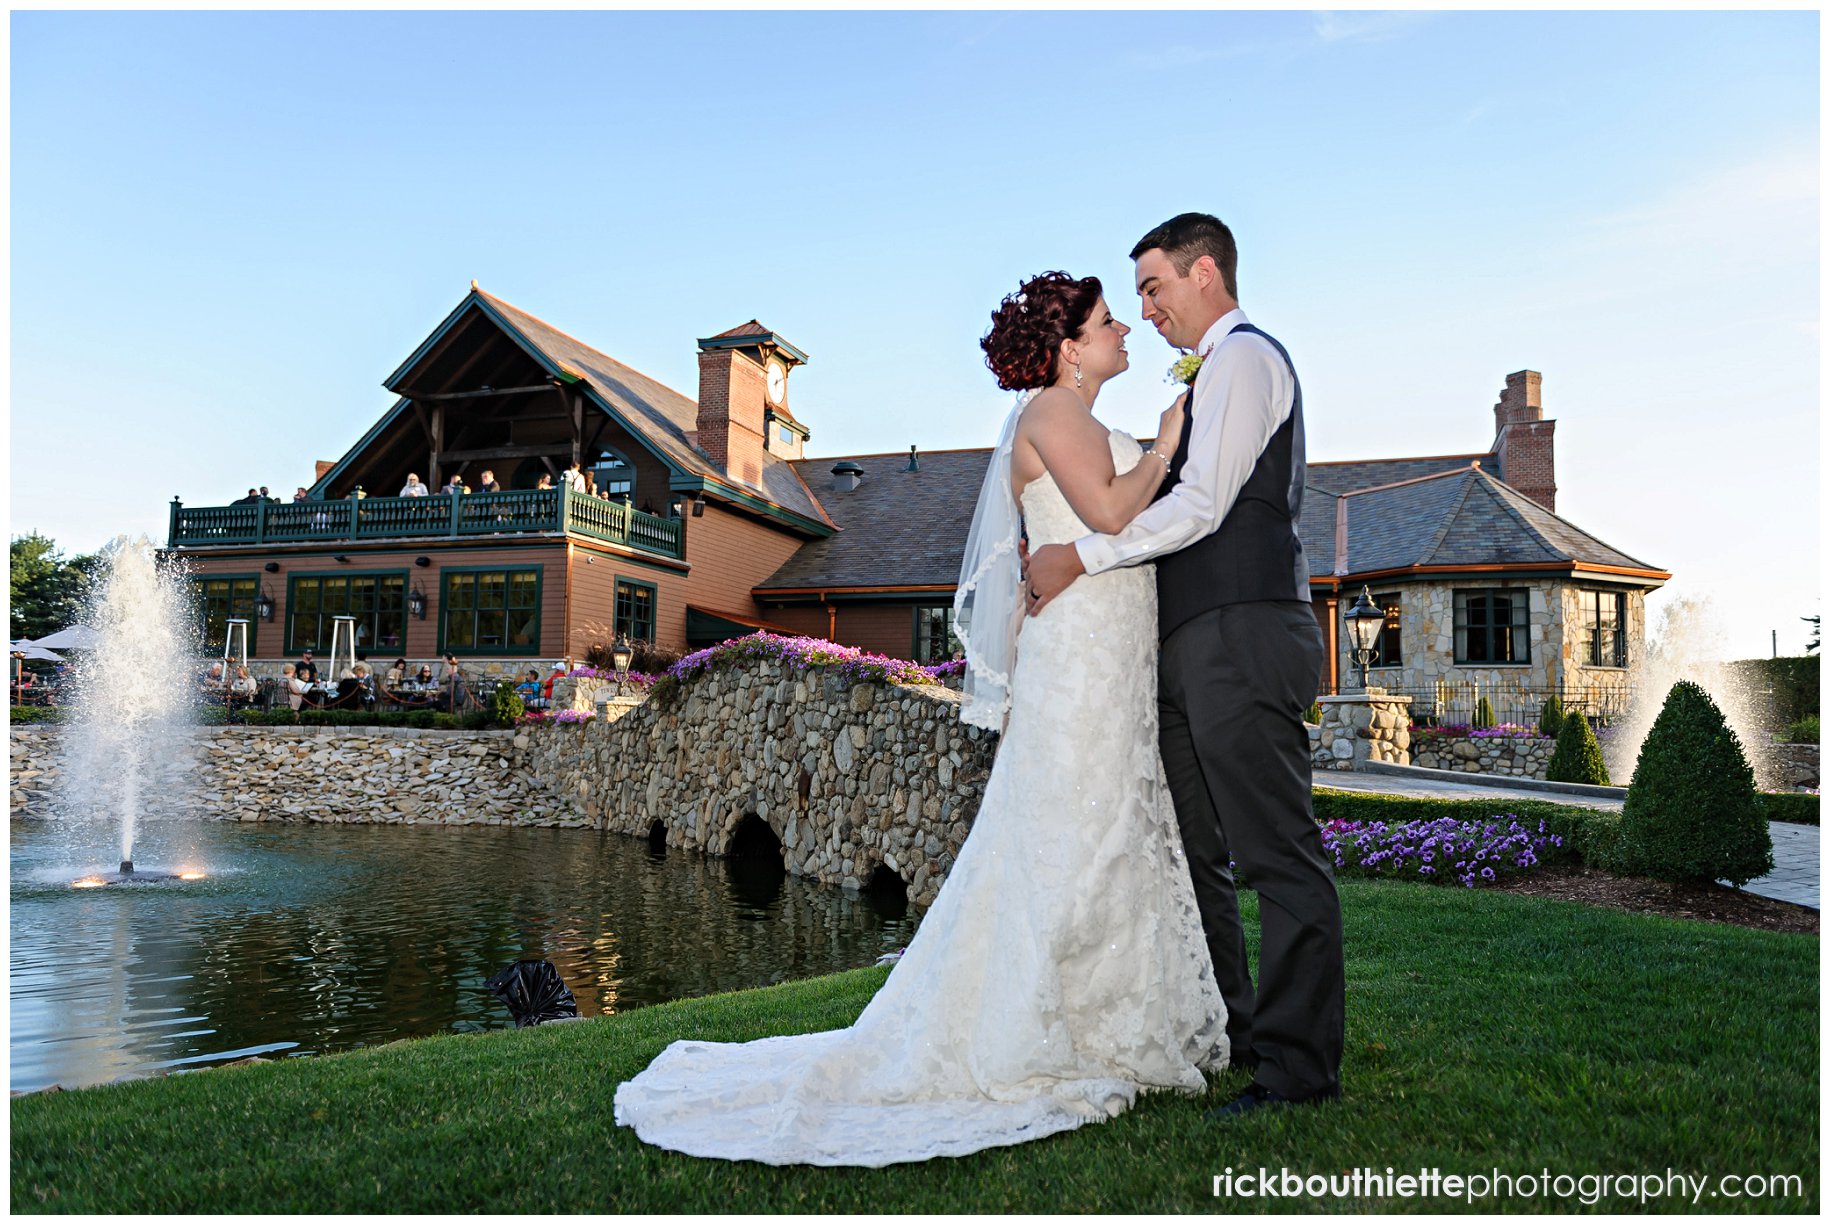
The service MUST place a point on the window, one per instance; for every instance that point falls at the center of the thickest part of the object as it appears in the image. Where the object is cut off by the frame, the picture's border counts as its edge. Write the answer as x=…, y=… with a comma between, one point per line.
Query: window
x=218, y=599
x=635, y=610
x=490, y=612
x=1493, y=627
x=1604, y=627
x=935, y=640
x=615, y=476
x=787, y=436
x=376, y=601
x=1388, y=650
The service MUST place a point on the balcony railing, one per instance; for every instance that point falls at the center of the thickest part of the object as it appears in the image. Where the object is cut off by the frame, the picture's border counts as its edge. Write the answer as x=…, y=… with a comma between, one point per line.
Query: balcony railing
x=447, y=515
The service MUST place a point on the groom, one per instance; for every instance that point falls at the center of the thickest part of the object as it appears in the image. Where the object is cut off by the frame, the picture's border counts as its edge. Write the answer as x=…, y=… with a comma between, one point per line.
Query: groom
x=1242, y=658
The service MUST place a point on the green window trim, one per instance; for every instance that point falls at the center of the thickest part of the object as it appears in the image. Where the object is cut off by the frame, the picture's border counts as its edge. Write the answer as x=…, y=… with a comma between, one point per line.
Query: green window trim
x=1388, y=647
x=627, y=616
x=473, y=596
x=1483, y=636
x=234, y=604
x=297, y=606
x=927, y=619
x=1603, y=615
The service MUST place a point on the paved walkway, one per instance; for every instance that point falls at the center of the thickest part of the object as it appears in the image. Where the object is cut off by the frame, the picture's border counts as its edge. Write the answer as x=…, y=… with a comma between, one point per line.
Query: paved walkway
x=1797, y=849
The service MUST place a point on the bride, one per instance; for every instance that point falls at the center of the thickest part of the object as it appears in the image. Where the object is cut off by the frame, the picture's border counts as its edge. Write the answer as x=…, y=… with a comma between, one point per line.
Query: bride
x=1062, y=968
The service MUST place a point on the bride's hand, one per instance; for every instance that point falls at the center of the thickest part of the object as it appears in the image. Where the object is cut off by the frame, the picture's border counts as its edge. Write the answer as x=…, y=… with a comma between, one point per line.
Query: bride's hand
x=1169, y=429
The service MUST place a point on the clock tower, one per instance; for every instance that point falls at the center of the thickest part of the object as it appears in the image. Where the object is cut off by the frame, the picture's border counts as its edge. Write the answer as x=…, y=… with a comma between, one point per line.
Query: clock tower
x=743, y=399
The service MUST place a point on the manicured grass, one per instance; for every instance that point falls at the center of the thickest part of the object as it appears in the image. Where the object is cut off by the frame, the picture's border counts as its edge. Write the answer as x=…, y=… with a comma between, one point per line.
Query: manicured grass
x=1484, y=1031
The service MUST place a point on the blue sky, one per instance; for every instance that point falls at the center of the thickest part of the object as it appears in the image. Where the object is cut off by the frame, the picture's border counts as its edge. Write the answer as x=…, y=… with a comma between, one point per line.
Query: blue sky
x=228, y=228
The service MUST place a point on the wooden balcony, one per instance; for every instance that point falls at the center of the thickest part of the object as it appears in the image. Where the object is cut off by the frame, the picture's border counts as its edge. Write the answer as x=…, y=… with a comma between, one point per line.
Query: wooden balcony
x=453, y=516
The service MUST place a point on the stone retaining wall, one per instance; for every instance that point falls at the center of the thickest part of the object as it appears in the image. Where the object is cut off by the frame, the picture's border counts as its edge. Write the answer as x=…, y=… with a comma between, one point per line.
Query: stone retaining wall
x=1516, y=756
x=848, y=777
x=1361, y=727
x=1794, y=766
x=326, y=774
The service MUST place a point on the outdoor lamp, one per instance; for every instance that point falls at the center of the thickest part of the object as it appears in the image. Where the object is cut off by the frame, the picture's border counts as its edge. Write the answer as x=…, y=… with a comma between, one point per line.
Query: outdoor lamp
x=416, y=604
x=1364, y=622
x=263, y=606
x=620, y=655
x=698, y=505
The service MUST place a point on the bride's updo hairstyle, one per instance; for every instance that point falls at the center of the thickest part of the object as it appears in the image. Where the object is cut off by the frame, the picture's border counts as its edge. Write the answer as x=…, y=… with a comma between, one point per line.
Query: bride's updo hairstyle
x=1028, y=327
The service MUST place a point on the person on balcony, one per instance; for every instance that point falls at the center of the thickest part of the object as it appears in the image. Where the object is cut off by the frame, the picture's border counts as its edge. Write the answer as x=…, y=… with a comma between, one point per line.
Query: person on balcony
x=414, y=488
x=591, y=483
x=545, y=481
x=489, y=483
x=455, y=485
x=301, y=495
x=253, y=499
x=575, y=478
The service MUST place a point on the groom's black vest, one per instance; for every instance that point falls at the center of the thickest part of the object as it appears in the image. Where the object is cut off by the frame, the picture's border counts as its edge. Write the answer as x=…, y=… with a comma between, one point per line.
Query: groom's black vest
x=1255, y=554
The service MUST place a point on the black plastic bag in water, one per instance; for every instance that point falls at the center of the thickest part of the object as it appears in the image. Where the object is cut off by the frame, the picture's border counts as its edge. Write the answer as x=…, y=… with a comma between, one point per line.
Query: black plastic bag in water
x=534, y=993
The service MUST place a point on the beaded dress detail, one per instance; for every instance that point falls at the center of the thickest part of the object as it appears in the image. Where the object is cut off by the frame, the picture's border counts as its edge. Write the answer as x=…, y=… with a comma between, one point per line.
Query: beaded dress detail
x=1061, y=969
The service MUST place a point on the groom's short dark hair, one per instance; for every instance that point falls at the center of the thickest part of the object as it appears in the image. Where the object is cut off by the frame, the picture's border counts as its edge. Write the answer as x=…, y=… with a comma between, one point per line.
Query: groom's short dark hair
x=1186, y=237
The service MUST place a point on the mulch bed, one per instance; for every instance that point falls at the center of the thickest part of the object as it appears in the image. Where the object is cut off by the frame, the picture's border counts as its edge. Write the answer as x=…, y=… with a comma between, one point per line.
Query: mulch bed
x=1713, y=903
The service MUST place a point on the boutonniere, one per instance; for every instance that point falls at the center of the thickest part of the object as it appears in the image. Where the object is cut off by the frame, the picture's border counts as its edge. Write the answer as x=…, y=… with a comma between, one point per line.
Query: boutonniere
x=1186, y=367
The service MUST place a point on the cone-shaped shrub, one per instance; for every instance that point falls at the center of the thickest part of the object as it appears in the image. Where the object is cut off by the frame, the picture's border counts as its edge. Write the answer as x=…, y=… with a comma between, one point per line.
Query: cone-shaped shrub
x=1550, y=719
x=1483, y=713
x=1692, y=813
x=1577, y=757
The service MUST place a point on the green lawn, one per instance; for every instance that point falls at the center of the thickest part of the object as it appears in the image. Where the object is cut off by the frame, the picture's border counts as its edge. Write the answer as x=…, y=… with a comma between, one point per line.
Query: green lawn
x=1484, y=1031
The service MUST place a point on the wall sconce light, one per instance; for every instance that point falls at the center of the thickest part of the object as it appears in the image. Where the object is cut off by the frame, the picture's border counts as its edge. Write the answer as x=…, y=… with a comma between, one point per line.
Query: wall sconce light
x=416, y=604
x=263, y=606
x=698, y=505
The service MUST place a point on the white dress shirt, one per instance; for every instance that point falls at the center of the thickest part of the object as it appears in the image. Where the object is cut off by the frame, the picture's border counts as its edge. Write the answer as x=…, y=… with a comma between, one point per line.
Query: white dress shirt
x=1241, y=397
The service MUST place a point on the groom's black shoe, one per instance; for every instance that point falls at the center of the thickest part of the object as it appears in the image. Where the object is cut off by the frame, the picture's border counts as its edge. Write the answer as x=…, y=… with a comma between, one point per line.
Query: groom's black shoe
x=1258, y=1097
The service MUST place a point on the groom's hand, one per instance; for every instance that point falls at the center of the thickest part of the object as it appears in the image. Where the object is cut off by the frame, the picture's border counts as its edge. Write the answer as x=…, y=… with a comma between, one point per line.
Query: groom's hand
x=1052, y=570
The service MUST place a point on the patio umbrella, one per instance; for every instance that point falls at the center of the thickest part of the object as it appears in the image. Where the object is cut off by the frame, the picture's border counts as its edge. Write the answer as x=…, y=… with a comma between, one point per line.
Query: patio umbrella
x=72, y=637
x=32, y=650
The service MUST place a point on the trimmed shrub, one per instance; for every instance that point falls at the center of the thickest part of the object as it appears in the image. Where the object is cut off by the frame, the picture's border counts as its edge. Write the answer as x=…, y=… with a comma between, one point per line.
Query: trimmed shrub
x=506, y=706
x=1577, y=757
x=1483, y=713
x=39, y=714
x=1550, y=719
x=1692, y=813
x=1792, y=807
x=1313, y=714
x=1807, y=730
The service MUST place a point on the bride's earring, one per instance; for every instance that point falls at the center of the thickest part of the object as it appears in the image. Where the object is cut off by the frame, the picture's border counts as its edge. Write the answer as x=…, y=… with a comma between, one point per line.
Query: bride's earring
x=1076, y=374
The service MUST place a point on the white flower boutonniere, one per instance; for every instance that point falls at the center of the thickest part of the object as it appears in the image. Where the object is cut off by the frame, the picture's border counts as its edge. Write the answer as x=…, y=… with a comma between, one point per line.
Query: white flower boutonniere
x=1186, y=367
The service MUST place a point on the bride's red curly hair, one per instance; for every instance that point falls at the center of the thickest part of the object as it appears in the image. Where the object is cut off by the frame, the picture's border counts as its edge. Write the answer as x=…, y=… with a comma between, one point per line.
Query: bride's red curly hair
x=1028, y=327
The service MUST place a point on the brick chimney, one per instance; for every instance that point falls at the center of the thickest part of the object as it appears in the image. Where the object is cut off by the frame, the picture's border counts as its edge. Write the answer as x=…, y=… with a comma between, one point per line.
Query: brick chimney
x=1525, y=441
x=732, y=397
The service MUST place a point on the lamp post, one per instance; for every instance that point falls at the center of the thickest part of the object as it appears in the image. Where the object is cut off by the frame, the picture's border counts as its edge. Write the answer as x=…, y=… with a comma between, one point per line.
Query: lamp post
x=620, y=655
x=1364, y=620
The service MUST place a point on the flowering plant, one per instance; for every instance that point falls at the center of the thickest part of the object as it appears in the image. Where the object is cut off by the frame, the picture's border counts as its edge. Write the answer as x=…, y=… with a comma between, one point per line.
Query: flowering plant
x=852, y=665
x=1471, y=852
x=1185, y=368
x=543, y=718
x=1447, y=731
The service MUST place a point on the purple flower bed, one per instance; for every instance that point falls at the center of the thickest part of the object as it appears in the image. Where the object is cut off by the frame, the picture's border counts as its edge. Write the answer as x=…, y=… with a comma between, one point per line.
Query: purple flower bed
x=1448, y=848
x=852, y=665
x=645, y=679
x=541, y=718
x=1453, y=730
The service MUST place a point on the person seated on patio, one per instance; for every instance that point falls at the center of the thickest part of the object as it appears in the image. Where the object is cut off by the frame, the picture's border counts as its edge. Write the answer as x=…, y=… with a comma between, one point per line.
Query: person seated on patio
x=546, y=686
x=307, y=670
x=365, y=679
x=243, y=687
x=396, y=676
x=423, y=678
x=292, y=687
x=529, y=689
x=211, y=681
x=414, y=488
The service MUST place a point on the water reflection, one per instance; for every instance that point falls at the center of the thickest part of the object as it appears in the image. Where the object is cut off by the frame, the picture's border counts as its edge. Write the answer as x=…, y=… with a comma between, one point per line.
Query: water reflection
x=322, y=938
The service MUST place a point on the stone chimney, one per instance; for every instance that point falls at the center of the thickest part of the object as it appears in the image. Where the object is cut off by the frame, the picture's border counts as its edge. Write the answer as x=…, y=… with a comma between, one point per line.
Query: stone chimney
x=732, y=398
x=1524, y=440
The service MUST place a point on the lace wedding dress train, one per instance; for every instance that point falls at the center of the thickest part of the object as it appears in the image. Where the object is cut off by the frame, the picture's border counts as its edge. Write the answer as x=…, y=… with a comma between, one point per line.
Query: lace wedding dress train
x=1062, y=967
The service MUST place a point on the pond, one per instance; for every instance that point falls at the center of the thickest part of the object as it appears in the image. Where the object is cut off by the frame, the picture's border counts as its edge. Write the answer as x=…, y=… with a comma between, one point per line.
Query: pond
x=304, y=939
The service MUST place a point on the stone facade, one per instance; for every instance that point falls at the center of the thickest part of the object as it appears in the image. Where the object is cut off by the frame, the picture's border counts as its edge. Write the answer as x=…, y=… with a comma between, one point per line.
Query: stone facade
x=1517, y=756
x=1447, y=691
x=1794, y=766
x=847, y=777
x=1361, y=727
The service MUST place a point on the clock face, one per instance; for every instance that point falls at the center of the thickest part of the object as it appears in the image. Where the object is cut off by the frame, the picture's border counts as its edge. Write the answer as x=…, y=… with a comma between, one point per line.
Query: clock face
x=778, y=382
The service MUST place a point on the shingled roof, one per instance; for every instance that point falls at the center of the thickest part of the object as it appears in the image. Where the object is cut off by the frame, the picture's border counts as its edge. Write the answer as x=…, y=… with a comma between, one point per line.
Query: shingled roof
x=1345, y=476
x=1465, y=517
x=664, y=416
x=896, y=529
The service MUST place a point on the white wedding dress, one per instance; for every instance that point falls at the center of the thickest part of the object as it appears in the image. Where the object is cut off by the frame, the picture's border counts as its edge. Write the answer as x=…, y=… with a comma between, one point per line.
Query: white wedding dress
x=1062, y=967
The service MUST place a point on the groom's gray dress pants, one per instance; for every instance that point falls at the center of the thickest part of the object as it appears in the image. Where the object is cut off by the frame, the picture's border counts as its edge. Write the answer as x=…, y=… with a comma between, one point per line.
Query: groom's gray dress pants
x=1233, y=686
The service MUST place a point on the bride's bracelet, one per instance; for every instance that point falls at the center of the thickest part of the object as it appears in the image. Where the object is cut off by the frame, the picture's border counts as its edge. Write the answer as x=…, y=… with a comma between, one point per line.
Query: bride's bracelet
x=1161, y=456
